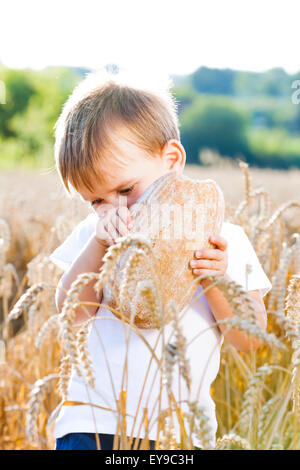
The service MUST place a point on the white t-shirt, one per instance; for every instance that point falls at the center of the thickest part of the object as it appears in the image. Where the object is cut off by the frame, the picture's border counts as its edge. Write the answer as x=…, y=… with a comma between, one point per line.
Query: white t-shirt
x=110, y=336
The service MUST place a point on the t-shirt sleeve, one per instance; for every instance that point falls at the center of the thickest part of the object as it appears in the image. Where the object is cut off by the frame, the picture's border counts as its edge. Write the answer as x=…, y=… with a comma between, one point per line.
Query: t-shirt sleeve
x=240, y=254
x=64, y=255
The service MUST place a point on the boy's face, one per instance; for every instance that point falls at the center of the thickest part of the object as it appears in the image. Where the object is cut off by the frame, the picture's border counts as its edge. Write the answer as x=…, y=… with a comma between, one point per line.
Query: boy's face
x=131, y=172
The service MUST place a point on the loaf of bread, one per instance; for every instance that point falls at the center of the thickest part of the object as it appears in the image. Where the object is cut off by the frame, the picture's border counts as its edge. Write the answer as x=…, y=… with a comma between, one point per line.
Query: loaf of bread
x=177, y=215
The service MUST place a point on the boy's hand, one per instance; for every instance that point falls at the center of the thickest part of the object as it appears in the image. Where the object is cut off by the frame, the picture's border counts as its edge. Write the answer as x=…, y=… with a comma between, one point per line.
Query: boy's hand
x=114, y=223
x=211, y=261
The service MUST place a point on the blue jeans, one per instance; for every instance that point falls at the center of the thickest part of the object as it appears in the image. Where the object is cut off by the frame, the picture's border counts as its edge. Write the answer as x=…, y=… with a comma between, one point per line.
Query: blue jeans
x=87, y=441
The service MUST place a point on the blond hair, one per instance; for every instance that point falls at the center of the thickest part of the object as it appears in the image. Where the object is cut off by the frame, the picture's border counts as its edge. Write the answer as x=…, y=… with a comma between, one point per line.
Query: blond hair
x=102, y=100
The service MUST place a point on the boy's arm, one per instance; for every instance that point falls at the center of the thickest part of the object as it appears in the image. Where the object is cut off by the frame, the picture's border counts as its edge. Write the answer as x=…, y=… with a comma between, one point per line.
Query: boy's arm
x=221, y=309
x=215, y=261
x=89, y=260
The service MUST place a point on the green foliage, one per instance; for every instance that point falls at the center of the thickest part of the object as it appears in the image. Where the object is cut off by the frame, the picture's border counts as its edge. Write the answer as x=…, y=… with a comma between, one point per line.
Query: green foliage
x=274, y=148
x=33, y=103
x=293, y=124
x=229, y=111
x=274, y=82
x=19, y=88
x=215, y=123
x=214, y=81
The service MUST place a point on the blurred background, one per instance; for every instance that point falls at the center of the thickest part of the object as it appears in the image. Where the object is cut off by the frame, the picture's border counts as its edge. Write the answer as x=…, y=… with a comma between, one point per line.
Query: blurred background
x=234, y=66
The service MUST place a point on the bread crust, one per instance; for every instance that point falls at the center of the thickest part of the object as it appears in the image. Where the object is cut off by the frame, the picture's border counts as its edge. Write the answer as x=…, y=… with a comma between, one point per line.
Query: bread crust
x=176, y=215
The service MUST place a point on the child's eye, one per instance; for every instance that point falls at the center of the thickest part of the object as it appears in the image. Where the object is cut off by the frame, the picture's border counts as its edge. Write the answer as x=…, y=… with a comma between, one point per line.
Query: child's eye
x=122, y=191
x=98, y=201
x=127, y=190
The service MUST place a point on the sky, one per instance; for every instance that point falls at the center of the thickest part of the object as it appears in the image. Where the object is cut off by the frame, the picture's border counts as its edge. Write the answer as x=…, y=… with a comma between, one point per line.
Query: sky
x=174, y=36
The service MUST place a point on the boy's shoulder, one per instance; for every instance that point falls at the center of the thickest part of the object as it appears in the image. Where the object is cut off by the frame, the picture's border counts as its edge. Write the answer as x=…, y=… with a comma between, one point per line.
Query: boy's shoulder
x=90, y=220
x=230, y=229
x=66, y=252
x=85, y=227
x=87, y=224
x=237, y=239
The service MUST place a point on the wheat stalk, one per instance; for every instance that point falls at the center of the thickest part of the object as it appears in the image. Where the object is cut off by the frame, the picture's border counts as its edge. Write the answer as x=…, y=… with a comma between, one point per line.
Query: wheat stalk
x=26, y=300
x=232, y=439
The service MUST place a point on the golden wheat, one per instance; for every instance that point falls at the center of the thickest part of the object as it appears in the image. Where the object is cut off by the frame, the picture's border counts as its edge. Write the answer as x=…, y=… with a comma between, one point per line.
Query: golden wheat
x=256, y=394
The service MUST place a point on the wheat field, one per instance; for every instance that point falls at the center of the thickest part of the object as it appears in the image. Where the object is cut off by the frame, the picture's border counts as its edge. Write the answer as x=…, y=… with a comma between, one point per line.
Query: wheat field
x=257, y=395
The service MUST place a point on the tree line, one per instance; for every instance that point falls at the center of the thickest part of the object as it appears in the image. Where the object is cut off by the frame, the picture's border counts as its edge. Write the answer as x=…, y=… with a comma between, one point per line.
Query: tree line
x=234, y=113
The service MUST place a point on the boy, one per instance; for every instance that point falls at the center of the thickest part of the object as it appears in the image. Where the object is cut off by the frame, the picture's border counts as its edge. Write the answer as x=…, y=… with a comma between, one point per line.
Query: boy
x=113, y=139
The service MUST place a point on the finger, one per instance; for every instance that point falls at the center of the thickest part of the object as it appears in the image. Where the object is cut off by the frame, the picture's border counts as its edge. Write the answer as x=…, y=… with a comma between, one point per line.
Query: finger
x=103, y=228
x=205, y=264
x=111, y=231
x=124, y=214
x=206, y=272
x=100, y=230
x=127, y=219
x=209, y=254
x=120, y=227
x=118, y=212
x=113, y=220
x=221, y=242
